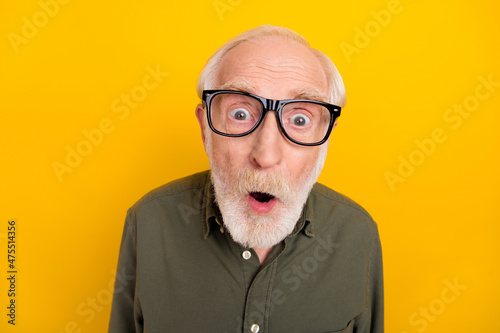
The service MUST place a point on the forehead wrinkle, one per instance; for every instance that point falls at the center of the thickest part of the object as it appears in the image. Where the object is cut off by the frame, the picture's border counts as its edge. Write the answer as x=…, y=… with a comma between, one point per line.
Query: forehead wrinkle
x=272, y=79
x=286, y=74
x=267, y=65
x=268, y=77
x=279, y=70
x=291, y=63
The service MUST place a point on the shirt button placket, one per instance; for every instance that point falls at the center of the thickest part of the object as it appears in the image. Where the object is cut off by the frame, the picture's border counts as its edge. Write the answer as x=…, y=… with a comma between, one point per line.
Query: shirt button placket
x=259, y=285
x=255, y=328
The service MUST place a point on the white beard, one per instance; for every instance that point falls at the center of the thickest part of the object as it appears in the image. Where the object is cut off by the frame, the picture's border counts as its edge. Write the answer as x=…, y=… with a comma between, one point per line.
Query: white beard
x=247, y=228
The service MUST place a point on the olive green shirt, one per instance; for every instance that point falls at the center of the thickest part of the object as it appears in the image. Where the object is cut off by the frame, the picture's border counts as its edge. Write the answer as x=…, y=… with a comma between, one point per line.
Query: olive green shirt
x=180, y=271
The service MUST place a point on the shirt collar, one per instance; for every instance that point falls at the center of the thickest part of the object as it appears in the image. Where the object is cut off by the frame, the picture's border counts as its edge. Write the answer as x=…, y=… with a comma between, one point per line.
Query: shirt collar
x=209, y=209
x=212, y=217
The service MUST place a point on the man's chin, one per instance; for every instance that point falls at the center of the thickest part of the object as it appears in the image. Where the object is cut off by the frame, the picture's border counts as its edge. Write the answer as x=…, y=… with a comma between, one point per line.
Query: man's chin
x=254, y=230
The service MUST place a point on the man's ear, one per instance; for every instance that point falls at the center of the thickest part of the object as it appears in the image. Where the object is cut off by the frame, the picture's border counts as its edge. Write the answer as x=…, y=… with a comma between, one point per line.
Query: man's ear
x=200, y=112
x=335, y=124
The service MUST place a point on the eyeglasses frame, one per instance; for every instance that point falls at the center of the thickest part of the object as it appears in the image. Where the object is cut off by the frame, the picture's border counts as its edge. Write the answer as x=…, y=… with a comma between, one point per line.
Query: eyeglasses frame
x=269, y=105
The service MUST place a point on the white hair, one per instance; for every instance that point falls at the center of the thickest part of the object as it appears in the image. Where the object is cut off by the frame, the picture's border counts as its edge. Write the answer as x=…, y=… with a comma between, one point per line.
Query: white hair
x=336, y=89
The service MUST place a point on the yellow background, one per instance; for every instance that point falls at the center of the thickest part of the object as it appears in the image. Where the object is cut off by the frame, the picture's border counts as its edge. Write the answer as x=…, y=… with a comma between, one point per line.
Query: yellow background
x=438, y=226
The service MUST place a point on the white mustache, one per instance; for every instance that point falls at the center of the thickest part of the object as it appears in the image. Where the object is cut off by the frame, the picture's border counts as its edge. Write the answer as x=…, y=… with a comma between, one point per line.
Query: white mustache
x=276, y=184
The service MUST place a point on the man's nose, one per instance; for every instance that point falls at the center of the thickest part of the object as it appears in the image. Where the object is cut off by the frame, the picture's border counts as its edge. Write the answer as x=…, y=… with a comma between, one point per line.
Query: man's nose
x=268, y=143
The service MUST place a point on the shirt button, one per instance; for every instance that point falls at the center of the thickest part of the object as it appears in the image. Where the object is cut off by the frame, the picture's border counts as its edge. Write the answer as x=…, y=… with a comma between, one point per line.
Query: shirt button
x=255, y=328
x=247, y=255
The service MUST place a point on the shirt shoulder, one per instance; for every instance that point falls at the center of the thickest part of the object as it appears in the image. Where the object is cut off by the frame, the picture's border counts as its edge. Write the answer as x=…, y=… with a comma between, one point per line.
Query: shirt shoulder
x=194, y=182
x=329, y=206
x=334, y=196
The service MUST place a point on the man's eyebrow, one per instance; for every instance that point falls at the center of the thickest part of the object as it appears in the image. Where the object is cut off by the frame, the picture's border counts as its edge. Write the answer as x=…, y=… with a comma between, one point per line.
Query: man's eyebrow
x=310, y=93
x=242, y=85
x=301, y=93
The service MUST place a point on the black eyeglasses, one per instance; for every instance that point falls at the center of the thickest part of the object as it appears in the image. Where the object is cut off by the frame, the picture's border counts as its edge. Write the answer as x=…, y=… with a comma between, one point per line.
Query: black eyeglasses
x=236, y=113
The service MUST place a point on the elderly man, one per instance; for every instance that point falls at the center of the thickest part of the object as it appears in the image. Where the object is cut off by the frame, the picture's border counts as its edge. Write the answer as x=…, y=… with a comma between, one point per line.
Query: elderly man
x=254, y=244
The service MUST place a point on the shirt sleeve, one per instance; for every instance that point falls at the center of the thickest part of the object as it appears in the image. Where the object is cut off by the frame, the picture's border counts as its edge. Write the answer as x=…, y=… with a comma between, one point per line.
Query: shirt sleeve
x=372, y=318
x=126, y=314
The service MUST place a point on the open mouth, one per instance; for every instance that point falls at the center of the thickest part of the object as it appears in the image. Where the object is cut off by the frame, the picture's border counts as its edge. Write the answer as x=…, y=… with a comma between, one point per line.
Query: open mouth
x=261, y=197
x=261, y=203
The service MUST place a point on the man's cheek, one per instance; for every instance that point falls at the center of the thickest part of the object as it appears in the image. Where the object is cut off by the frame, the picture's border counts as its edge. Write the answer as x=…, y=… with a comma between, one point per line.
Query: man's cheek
x=307, y=165
x=225, y=161
x=235, y=156
x=302, y=163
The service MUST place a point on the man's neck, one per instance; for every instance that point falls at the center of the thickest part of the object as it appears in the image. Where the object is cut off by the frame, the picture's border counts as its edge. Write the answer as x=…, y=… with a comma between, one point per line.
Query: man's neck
x=262, y=253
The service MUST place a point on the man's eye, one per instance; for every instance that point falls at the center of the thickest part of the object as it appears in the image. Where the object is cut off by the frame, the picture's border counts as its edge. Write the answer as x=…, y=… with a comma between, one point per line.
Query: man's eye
x=240, y=114
x=299, y=120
